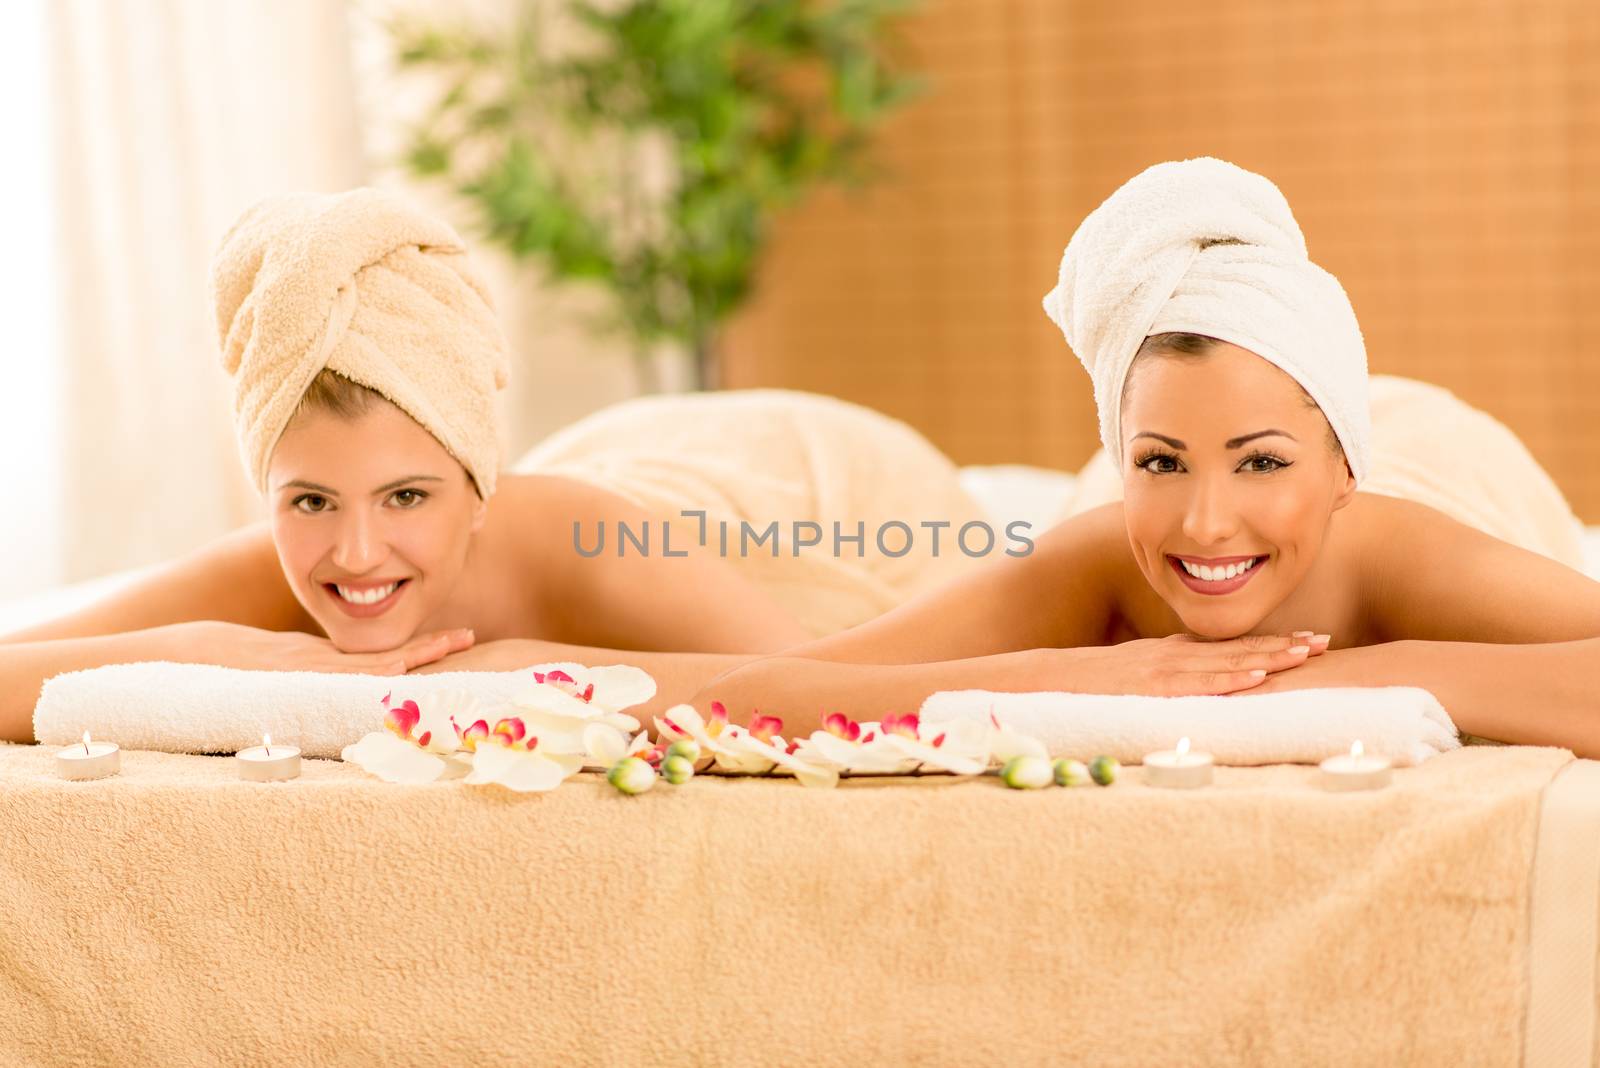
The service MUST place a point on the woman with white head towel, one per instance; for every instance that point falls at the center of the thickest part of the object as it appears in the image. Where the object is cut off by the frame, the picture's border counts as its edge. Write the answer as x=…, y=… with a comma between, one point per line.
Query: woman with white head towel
x=1248, y=525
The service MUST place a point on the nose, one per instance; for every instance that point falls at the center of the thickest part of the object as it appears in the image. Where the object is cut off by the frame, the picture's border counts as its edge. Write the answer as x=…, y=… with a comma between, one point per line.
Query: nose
x=1210, y=517
x=359, y=546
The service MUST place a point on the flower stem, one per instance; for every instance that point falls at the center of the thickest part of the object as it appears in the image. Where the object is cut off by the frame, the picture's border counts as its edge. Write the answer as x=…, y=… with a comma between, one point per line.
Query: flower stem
x=920, y=773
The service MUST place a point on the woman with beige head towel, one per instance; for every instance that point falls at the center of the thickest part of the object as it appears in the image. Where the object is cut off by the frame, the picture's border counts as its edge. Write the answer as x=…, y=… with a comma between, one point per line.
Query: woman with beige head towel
x=365, y=358
x=1250, y=525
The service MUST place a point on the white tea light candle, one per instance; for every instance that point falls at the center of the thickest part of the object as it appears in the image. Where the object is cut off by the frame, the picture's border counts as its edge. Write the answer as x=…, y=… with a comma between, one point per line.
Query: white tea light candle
x=267, y=762
x=1355, y=770
x=89, y=760
x=1178, y=768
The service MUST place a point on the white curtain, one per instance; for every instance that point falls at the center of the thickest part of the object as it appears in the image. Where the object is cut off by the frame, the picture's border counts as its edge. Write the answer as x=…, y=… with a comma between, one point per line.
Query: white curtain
x=30, y=508
x=172, y=117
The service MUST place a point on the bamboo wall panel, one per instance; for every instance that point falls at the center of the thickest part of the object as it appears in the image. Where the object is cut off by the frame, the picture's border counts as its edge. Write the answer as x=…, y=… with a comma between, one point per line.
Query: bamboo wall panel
x=1442, y=158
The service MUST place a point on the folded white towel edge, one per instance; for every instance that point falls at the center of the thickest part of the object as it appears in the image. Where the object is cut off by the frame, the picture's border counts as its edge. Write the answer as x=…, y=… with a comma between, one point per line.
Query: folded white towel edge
x=1436, y=731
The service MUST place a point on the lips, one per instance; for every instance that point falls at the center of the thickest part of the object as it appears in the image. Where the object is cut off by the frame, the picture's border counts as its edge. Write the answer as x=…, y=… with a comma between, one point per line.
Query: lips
x=367, y=611
x=1215, y=589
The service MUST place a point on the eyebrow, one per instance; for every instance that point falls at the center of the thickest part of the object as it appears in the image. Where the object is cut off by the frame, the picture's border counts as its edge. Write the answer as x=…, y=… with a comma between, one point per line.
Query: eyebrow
x=1231, y=443
x=301, y=483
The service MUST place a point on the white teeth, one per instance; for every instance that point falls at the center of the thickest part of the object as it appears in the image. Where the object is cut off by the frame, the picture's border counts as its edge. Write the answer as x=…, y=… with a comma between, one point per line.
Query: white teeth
x=1217, y=574
x=372, y=596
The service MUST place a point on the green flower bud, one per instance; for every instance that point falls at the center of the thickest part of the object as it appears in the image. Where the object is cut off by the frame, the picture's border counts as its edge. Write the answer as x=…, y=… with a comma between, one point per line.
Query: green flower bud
x=687, y=748
x=1103, y=770
x=1026, y=773
x=631, y=775
x=677, y=768
x=1070, y=772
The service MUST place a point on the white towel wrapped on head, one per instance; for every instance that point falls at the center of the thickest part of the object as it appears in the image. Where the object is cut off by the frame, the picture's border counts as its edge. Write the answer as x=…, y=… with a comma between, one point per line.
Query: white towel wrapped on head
x=1404, y=723
x=1205, y=247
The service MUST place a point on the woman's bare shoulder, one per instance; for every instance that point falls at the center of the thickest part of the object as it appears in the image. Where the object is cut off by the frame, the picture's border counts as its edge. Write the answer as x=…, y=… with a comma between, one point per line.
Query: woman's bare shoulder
x=535, y=515
x=1426, y=575
x=235, y=578
x=532, y=497
x=536, y=524
x=1129, y=606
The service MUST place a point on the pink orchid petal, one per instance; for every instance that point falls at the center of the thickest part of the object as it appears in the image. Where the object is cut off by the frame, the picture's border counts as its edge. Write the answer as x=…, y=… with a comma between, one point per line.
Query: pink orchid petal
x=511, y=726
x=474, y=734
x=402, y=719
x=901, y=724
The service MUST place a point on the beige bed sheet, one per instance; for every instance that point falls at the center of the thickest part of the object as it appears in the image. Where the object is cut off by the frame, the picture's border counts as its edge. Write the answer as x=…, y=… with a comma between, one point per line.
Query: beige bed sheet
x=174, y=915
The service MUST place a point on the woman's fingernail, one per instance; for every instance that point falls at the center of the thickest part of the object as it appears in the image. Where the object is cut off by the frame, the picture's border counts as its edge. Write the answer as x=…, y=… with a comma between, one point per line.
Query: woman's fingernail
x=1300, y=650
x=1320, y=639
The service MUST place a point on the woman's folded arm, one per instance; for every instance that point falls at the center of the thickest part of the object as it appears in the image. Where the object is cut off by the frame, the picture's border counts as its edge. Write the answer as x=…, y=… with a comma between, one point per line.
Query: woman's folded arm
x=802, y=691
x=24, y=667
x=1544, y=693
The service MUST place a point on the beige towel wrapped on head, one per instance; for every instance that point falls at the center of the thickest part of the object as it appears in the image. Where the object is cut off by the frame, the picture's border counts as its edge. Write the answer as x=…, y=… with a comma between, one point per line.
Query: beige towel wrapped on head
x=781, y=456
x=1431, y=447
x=364, y=284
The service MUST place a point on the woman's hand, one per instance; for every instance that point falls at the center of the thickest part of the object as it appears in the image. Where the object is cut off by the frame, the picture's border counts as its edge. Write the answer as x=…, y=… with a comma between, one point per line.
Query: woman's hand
x=238, y=646
x=510, y=654
x=1183, y=665
x=1360, y=665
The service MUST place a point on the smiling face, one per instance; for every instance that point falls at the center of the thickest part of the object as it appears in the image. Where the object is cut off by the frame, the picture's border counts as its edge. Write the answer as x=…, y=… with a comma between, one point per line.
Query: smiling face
x=360, y=503
x=1227, y=465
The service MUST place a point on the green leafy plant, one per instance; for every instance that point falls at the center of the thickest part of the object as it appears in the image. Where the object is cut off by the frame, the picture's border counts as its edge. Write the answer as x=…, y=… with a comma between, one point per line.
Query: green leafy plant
x=650, y=151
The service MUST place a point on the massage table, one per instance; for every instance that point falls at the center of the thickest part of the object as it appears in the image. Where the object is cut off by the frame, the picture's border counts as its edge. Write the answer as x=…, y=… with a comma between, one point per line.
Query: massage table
x=176, y=915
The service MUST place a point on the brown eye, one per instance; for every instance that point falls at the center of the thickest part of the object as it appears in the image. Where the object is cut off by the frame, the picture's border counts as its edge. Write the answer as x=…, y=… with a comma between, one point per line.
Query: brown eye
x=412, y=497
x=306, y=498
x=1272, y=463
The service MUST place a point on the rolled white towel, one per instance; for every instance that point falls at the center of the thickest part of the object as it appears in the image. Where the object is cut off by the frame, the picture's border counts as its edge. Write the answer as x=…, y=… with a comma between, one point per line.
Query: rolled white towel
x=201, y=708
x=1404, y=723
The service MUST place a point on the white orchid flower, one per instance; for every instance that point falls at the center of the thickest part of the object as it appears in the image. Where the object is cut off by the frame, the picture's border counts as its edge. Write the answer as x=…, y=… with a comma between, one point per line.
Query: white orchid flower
x=767, y=750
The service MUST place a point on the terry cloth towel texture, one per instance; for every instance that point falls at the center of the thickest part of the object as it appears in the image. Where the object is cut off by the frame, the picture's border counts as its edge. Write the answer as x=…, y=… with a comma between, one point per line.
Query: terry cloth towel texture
x=1404, y=723
x=1430, y=446
x=202, y=708
x=175, y=915
x=784, y=457
x=365, y=284
x=1204, y=246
